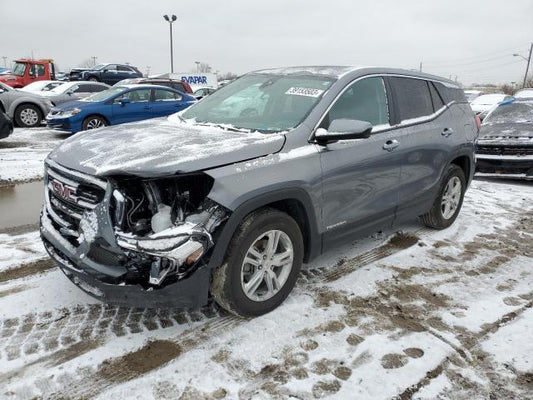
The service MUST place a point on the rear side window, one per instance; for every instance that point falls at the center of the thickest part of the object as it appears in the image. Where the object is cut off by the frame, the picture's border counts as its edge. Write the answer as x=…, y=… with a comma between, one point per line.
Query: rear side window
x=365, y=100
x=412, y=97
x=435, y=97
x=450, y=94
x=165, y=95
x=97, y=88
x=179, y=86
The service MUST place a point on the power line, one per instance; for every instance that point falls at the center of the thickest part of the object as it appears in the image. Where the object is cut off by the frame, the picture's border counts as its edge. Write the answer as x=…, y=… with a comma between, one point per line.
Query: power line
x=477, y=56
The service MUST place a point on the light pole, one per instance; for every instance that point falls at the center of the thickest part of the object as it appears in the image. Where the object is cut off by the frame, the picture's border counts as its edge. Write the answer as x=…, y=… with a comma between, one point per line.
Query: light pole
x=5, y=61
x=94, y=60
x=170, y=21
x=197, y=66
x=528, y=60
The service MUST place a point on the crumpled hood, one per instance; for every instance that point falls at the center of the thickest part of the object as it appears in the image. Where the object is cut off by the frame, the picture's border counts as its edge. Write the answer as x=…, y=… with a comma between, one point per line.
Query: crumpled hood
x=509, y=133
x=160, y=147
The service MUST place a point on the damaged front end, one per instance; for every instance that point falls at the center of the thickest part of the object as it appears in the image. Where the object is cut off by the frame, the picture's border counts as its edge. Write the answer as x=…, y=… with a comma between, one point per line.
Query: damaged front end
x=127, y=240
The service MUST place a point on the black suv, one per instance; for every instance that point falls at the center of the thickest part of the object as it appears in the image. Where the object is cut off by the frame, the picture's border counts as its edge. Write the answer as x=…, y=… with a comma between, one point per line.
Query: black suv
x=232, y=195
x=108, y=73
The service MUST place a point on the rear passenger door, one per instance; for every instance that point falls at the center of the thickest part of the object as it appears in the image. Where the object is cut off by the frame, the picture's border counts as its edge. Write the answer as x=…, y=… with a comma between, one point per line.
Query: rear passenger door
x=166, y=102
x=361, y=178
x=421, y=127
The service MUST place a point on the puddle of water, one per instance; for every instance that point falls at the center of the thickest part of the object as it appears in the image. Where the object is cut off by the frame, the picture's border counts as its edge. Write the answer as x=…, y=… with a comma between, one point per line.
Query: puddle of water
x=20, y=204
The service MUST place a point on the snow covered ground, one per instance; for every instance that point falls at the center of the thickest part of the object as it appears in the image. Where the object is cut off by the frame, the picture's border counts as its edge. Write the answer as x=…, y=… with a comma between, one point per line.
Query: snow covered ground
x=427, y=315
x=22, y=154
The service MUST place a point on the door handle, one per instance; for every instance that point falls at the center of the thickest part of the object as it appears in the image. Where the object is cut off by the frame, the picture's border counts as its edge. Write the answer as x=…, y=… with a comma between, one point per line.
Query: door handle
x=447, y=132
x=390, y=145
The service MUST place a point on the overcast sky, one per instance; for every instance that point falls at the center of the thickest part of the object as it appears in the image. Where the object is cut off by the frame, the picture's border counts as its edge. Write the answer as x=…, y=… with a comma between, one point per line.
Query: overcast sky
x=471, y=39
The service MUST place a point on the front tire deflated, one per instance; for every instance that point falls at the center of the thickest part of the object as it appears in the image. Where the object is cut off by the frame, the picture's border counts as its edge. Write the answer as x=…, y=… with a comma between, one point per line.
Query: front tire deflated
x=262, y=264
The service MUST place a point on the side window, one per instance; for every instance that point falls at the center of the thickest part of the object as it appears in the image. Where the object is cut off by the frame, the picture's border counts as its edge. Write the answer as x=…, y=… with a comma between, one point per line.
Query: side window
x=450, y=94
x=123, y=68
x=40, y=70
x=97, y=88
x=365, y=100
x=135, y=96
x=165, y=95
x=111, y=67
x=435, y=97
x=179, y=86
x=413, y=98
x=83, y=88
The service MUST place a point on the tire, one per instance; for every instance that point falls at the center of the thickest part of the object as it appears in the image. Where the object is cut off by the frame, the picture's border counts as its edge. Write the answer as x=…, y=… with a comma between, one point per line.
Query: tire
x=230, y=279
x=439, y=216
x=28, y=116
x=93, y=79
x=93, y=122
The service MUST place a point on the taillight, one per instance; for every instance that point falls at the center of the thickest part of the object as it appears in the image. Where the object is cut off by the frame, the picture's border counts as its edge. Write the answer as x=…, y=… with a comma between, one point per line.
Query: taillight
x=478, y=123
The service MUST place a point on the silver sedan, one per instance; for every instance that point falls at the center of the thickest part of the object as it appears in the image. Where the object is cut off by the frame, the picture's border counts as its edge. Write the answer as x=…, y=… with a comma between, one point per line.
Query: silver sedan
x=27, y=109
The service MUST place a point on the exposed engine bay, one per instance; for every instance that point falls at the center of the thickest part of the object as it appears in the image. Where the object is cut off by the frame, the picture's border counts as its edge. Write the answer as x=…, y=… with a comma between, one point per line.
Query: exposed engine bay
x=165, y=226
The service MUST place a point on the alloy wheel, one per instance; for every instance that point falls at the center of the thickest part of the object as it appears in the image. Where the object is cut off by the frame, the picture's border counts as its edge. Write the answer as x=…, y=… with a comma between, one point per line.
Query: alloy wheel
x=451, y=197
x=267, y=265
x=95, y=123
x=29, y=116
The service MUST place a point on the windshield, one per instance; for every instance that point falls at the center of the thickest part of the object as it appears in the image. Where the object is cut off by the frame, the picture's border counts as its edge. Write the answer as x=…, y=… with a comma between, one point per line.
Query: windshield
x=106, y=94
x=18, y=69
x=267, y=103
x=511, y=113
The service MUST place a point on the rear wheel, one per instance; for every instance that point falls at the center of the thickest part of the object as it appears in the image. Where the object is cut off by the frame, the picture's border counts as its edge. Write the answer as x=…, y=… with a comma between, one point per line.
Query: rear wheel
x=261, y=265
x=449, y=200
x=28, y=116
x=94, y=122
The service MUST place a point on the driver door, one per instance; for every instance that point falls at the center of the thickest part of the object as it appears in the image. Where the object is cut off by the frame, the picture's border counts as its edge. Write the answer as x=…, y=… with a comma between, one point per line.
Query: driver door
x=137, y=108
x=361, y=178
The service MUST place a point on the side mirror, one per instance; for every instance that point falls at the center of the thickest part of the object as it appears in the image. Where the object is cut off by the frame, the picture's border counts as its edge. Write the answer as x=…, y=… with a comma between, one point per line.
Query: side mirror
x=125, y=101
x=343, y=129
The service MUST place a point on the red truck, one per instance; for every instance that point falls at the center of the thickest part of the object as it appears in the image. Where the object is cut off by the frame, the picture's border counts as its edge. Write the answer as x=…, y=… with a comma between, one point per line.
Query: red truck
x=26, y=71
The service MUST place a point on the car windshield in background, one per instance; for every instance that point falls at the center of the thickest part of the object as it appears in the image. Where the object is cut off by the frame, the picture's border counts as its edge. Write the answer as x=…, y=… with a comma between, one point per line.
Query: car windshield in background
x=18, y=69
x=106, y=94
x=266, y=103
x=516, y=113
x=488, y=99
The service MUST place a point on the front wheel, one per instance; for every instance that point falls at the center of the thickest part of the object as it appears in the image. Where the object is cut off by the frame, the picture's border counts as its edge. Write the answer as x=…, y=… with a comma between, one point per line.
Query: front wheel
x=94, y=122
x=93, y=79
x=261, y=266
x=448, y=203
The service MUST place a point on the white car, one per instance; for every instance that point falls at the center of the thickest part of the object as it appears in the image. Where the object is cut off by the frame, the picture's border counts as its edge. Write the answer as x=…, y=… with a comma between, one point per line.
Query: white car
x=483, y=104
x=471, y=95
x=524, y=94
x=41, y=86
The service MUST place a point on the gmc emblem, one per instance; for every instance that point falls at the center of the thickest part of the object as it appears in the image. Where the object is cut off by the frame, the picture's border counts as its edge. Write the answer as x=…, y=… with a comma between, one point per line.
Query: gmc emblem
x=64, y=191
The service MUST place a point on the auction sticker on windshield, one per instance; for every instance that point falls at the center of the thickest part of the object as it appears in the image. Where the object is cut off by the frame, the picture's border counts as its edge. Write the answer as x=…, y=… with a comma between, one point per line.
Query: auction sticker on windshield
x=309, y=92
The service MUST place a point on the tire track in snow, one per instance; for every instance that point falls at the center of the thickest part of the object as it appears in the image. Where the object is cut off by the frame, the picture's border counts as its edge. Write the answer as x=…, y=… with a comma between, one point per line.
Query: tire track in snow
x=97, y=323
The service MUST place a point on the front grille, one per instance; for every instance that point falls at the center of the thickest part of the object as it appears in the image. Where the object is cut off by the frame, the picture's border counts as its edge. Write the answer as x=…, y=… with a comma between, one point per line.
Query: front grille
x=505, y=150
x=69, y=195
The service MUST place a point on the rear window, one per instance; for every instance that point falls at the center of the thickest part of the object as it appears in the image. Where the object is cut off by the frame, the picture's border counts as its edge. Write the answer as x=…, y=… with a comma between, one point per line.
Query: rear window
x=413, y=98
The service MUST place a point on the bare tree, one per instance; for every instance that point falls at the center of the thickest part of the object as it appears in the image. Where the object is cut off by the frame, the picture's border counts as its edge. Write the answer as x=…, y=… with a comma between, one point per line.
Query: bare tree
x=227, y=76
x=204, y=67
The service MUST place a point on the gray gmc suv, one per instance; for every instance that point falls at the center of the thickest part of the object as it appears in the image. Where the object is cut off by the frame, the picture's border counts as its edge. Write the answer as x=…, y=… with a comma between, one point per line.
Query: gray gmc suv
x=228, y=198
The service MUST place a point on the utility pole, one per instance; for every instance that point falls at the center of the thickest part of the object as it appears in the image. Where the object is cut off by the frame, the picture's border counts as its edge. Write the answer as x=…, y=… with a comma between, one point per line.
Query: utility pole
x=170, y=21
x=197, y=66
x=420, y=66
x=528, y=62
x=94, y=60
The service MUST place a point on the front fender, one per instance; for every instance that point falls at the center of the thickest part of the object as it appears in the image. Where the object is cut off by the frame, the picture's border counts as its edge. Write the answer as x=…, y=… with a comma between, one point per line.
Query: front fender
x=269, y=196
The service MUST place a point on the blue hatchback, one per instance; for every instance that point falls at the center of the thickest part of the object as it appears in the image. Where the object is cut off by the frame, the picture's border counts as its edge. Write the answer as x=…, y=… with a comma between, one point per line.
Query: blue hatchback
x=117, y=105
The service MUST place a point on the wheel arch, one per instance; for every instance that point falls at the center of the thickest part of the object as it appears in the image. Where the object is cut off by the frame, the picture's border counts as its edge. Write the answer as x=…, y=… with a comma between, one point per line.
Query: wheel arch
x=295, y=202
x=466, y=164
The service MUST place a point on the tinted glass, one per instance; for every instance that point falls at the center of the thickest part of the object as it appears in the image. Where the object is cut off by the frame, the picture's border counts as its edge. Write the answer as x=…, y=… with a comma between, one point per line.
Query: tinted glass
x=435, y=97
x=97, y=88
x=165, y=95
x=412, y=97
x=450, y=94
x=179, y=86
x=122, y=68
x=365, y=100
x=83, y=88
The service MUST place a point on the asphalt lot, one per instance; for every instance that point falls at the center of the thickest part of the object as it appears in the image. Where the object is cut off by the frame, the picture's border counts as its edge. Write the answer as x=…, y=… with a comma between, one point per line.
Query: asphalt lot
x=419, y=314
